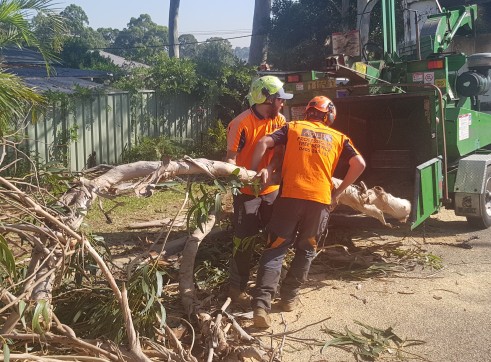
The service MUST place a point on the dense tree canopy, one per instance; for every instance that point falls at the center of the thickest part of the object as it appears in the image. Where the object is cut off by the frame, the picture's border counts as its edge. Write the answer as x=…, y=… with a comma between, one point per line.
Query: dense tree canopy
x=76, y=20
x=188, y=46
x=141, y=39
x=73, y=43
x=299, y=32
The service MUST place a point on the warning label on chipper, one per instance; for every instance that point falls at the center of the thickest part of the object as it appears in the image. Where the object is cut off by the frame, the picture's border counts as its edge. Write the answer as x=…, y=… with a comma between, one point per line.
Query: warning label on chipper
x=465, y=120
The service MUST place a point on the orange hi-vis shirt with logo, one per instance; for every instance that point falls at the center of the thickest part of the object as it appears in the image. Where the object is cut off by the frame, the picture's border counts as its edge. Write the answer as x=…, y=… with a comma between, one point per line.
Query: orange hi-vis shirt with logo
x=312, y=153
x=243, y=133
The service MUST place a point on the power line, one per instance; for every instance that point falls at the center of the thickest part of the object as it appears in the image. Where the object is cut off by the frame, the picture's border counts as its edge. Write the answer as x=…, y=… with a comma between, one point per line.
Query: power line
x=169, y=45
x=216, y=31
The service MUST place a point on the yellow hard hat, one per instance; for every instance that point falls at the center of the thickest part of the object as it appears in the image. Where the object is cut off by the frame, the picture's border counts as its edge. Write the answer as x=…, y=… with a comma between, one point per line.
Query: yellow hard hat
x=267, y=86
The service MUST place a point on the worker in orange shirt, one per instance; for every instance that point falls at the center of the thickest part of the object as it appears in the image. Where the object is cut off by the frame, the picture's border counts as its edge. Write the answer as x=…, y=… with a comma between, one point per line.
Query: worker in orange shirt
x=251, y=212
x=301, y=211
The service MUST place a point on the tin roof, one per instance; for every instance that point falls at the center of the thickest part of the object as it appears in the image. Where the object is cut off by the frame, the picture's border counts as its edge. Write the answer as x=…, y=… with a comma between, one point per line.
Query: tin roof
x=56, y=71
x=21, y=56
x=66, y=85
x=122, y=62
x=31, y=67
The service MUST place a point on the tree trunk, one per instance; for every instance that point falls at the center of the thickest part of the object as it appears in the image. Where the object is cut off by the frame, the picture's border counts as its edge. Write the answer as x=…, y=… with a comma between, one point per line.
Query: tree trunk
x=173, y=32
x=260, y=26
x=186, y=271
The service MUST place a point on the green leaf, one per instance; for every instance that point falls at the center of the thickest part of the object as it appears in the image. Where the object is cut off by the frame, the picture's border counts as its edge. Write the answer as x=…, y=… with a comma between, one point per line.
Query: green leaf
x=6, y=352
x=6, y=257
x=191, y=196
x=38, y=312
x=77, y=316
x=236, y=172
x=335, y=342
x=145, y=288
x=149, y=304
x=163, y=316
x=219, y=185
x=218, y=203
x=22, y=308
x=203, y=190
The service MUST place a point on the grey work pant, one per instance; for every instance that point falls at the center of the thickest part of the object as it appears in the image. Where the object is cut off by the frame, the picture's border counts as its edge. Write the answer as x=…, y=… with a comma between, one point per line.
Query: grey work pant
x=251, y=214
x=294, y=222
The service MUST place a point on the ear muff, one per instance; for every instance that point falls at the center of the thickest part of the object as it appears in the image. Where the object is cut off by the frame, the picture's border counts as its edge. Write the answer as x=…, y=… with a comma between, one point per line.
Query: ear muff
x=269, y=97
x=331, y=116
x=265, y=92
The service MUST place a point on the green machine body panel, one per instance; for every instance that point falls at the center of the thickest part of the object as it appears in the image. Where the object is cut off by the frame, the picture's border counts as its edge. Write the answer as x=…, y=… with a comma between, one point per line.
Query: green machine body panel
x=467, y=131
x=439, y=29
x=427, y=191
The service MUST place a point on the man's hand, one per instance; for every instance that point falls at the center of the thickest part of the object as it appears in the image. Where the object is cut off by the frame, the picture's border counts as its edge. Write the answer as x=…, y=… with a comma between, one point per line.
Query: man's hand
x=265, y=176
x=334, y=199
x=231, y=157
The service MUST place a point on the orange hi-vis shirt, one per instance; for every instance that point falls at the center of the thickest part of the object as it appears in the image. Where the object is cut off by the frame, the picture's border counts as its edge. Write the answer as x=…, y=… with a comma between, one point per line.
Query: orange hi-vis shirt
x=243, y=133
x=312, y=153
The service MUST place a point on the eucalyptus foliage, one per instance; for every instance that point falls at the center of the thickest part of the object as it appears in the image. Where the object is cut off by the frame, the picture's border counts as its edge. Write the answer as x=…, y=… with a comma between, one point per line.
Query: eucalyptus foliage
x=372, y=343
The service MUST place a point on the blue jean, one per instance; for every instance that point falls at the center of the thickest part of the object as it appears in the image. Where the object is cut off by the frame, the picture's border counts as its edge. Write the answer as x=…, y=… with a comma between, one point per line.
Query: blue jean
x=295, y=222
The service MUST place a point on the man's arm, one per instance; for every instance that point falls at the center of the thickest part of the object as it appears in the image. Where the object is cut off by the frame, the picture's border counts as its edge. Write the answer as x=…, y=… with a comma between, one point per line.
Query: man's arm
x=260, y=149
x=277, y=160
x=356, y=167
x=231, y=157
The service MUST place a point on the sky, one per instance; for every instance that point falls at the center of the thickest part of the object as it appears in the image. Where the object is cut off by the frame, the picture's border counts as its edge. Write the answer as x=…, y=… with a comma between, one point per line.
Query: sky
x=202, y=18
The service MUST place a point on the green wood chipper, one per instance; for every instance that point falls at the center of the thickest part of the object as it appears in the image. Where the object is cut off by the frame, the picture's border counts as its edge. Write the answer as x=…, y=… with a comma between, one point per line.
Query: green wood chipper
x=415, y=114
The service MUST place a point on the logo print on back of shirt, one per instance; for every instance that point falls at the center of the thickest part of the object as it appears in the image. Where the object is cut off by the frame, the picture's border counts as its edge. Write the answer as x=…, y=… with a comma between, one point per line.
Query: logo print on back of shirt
x=317, y=135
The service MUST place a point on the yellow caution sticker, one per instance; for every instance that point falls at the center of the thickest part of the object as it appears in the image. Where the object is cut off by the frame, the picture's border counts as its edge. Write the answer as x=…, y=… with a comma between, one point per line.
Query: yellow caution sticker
x=322, y=83
x=361, y=67
x=441, y=83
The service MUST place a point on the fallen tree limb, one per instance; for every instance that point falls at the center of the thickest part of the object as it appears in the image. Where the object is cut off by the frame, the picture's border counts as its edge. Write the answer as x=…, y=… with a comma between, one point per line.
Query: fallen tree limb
x=157, y=223
x=79, y=344
x=133, y=341
x=218, y=340
x=81, y=197
x=186, y=272
x=31, y=357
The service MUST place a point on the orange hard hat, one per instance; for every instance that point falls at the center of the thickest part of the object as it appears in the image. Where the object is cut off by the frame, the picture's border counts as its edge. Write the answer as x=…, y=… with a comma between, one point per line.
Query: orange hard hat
x=324, y=105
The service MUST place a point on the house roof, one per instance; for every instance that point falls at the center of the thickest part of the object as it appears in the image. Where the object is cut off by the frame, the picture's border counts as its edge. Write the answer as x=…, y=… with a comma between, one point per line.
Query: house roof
x=31, y=67
x=66, y=85
x=56, y=71
x=21, y=56
x=122, y=62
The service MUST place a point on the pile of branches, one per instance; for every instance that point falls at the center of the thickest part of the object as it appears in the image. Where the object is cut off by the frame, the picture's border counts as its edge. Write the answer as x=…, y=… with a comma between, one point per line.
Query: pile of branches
x=47, y=266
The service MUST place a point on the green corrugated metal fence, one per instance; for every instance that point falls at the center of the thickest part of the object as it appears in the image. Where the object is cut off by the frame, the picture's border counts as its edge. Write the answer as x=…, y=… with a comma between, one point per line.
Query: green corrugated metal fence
x=96, y=129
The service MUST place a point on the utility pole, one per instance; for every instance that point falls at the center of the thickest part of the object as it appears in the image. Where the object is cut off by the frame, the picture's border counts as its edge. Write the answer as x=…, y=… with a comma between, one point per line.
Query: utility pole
x=173, y=32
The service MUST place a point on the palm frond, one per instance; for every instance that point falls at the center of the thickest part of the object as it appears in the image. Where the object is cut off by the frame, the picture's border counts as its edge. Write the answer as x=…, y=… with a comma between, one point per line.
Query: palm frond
x=15, y=99
x=16, y=30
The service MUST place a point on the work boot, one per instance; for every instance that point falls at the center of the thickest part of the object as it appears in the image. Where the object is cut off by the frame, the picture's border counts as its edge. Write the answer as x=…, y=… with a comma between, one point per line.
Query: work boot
x=288, y=305
x=240, y=297
x=261, y=318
